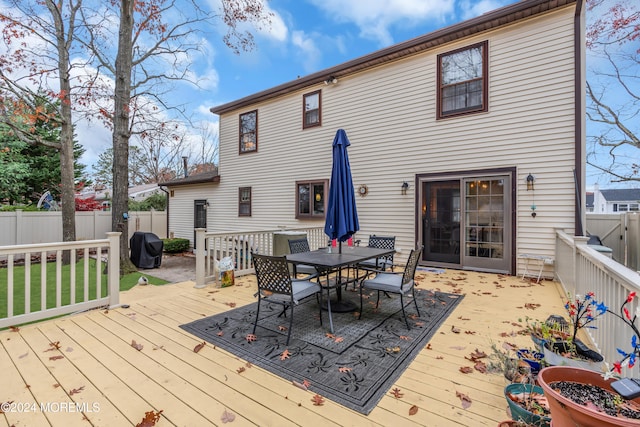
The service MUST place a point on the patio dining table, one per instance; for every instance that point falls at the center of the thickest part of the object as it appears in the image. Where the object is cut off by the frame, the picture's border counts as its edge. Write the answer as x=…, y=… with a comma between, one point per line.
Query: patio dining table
x=327, y=263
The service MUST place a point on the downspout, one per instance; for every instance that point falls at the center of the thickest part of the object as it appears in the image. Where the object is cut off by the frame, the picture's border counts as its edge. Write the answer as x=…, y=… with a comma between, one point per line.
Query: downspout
x=579, y=91
x=167, y=195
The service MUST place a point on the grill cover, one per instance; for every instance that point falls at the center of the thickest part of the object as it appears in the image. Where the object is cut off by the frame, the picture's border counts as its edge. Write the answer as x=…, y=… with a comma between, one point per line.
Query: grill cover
x=146, y=250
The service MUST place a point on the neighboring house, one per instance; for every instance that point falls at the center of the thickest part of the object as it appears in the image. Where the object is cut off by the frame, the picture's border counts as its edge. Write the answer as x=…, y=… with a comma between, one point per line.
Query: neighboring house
x=462, y=115
x=142, y=192
x=589, y=202
x=616, y=200
x=188, y=202
x=136, y=192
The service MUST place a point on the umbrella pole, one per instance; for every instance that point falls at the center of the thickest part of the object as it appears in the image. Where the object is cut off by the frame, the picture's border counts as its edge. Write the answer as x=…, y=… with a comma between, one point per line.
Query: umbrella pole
x=339, y=247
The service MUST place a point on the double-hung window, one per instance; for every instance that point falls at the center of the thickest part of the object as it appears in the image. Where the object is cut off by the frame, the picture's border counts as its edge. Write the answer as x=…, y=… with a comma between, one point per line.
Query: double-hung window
x=463, y=81
x=244, y=201
x=311, y=111
x=311, y=199
x=249, y=132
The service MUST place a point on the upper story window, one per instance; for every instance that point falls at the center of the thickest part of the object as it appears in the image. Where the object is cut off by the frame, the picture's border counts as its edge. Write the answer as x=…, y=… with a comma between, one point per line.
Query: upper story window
x=463, y=81
x=311, y=199
x=311, y=109
x=244, y=201
x=249, y=132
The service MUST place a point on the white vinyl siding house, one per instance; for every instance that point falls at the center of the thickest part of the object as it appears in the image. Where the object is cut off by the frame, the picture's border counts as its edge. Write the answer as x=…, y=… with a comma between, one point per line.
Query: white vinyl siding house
x=389, y=112
x=189, y=200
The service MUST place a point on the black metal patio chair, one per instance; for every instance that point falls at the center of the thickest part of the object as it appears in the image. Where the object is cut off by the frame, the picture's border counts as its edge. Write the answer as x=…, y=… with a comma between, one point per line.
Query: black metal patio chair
x=400, y=283
x=297, y=246
x=384, y=262
x=276, y=285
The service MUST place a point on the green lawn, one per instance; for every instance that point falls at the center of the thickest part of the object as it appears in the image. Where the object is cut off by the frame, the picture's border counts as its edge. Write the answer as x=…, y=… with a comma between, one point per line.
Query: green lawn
x=126, y=282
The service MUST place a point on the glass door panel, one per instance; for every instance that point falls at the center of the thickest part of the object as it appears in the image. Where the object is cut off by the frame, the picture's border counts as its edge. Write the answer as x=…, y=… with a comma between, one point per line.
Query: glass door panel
x=441, y=221
x=466, y=222
x=485, y=228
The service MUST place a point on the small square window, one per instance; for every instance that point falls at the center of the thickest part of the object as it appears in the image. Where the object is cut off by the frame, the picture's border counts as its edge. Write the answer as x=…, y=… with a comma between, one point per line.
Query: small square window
x=463, y=81
x=244, y=201
x=311, y=199
x=249, y=132
x=311, y=110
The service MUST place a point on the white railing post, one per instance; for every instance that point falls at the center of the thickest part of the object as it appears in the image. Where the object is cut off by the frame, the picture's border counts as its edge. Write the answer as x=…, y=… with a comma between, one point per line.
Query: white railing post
x=113, y=268
x=200, y=253
x=578, y=272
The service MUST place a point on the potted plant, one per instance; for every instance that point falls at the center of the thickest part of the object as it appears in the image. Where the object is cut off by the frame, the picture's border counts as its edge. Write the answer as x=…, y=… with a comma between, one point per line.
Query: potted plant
x=571, y=351
x=541, y=332
x=527, y=404
x=513, y=423
x=533, y=358
x=585, y=398
x=505, y=362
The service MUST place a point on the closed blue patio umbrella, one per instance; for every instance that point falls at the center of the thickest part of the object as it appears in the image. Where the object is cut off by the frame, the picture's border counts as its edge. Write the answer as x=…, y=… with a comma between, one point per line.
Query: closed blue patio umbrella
x=341, y=221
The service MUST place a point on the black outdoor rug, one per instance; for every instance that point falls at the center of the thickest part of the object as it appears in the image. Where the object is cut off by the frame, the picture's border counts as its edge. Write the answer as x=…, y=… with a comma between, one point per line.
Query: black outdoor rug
x=356, y=365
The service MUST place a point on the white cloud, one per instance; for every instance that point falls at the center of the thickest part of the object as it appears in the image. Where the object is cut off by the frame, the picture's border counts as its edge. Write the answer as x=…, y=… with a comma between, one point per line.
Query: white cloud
x=472, y=9
x=374, y=17
x=310, y=52
x=277, y=30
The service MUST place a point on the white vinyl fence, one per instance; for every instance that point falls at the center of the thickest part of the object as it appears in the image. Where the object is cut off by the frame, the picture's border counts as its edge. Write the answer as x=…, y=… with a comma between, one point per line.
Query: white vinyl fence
x=621, y=233
x=24, y=228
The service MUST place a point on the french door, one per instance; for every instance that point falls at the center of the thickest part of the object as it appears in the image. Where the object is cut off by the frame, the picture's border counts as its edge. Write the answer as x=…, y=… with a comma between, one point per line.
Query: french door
x=466, y=222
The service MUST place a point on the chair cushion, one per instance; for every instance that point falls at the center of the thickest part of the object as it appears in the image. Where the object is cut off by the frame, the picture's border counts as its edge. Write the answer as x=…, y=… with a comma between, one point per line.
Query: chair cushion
x=303, y=289
x=383, y=264
x=387, y=282
x=305, y=269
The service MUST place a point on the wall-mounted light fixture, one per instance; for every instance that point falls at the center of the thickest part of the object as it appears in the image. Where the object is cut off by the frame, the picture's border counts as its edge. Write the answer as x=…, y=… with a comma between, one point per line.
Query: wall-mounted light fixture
x=530, y=180
x=331, y=80
x=404, y=188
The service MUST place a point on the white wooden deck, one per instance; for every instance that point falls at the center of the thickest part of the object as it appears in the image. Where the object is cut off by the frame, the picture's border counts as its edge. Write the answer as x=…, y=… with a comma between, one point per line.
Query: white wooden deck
x=96, y=378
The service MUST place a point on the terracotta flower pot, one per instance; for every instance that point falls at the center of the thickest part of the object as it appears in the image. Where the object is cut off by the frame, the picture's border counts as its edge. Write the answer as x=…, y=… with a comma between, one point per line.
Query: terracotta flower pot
x=565, y=412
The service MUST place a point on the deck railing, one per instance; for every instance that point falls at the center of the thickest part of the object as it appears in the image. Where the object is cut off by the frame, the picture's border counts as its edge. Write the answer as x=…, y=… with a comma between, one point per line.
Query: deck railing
x=582, y=269
x=238, y=246
x=80, y=291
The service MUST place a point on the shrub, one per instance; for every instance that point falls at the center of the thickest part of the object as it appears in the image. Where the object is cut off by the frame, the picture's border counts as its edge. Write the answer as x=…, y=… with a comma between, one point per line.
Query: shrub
x=176, y=245
x=156, y=202
x=13, y=208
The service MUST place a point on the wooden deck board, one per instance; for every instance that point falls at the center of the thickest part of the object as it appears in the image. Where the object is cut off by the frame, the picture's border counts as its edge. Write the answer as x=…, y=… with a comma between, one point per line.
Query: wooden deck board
x=14, y=390
x=196, y=388
x=118, y=393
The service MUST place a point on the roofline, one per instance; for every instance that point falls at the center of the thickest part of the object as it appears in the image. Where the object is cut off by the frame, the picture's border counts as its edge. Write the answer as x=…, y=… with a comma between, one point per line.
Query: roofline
x=494, y=19
x=185, y=181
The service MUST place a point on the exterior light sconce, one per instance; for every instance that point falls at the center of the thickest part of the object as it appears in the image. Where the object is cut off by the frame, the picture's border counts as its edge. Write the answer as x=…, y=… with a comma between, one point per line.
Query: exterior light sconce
x=530, y=180
x=530, y=187
x=404, y=188
x=331, y=80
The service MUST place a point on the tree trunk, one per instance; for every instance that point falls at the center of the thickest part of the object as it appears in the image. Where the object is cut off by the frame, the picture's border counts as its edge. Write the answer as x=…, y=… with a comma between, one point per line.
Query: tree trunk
x=67, y=195
x=121, y=133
